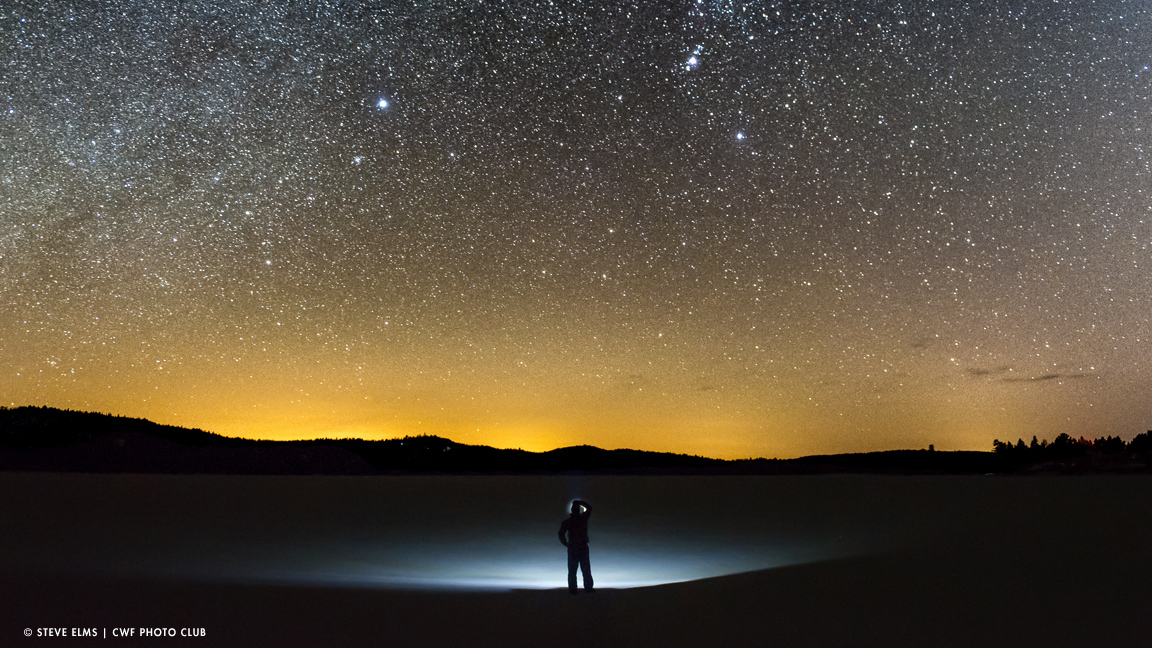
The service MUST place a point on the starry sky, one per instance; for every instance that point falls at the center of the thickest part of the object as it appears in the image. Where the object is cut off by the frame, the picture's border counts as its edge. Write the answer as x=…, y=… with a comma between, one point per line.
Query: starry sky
x=702, y=226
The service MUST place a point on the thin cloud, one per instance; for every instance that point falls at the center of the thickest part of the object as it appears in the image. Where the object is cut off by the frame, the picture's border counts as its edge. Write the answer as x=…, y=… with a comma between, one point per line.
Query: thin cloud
x=1046, y=377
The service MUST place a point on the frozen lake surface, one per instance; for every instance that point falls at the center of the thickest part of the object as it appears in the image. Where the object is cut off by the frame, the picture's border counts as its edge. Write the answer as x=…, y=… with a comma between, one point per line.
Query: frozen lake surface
x=499, y=532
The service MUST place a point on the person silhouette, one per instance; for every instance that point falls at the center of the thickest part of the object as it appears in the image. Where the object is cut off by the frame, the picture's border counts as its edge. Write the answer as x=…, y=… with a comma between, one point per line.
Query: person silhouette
x=574, y=535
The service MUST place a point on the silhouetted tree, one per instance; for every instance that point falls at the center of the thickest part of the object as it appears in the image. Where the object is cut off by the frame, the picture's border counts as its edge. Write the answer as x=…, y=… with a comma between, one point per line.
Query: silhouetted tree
x=1110, y=445
x=1065, y=447
x=1142, y=442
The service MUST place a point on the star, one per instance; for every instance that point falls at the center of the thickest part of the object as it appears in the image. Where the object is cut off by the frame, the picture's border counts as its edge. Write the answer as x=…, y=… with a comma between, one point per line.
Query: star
x=382, y=104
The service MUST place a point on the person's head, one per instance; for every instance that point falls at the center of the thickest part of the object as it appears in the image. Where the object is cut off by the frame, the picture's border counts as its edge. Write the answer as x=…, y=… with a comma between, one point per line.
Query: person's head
x=577, y=509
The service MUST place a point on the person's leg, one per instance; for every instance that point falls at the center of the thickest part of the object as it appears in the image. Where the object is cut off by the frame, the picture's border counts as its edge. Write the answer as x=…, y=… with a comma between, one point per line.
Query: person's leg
x=586, y=568
x=573, y=560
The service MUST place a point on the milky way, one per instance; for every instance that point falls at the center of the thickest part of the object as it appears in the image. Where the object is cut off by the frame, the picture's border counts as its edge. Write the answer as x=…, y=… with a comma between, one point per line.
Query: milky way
x=732, y=229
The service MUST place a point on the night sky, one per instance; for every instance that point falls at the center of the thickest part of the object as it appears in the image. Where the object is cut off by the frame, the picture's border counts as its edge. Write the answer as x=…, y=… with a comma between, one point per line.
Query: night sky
x=721, y=228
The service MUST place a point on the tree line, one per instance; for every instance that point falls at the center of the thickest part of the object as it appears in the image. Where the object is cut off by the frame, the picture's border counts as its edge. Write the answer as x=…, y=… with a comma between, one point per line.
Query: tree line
x=1067, y=447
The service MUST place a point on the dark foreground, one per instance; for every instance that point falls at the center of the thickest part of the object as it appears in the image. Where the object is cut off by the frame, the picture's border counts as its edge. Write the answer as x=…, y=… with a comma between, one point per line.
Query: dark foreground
x=897, y=600
x=1019, y=561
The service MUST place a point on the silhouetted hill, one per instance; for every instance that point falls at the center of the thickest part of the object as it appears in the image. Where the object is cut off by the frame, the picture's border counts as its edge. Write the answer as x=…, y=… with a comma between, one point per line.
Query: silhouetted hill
x=49, y=439
x=137, y=452
x=44, y=438
x=30, y=428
